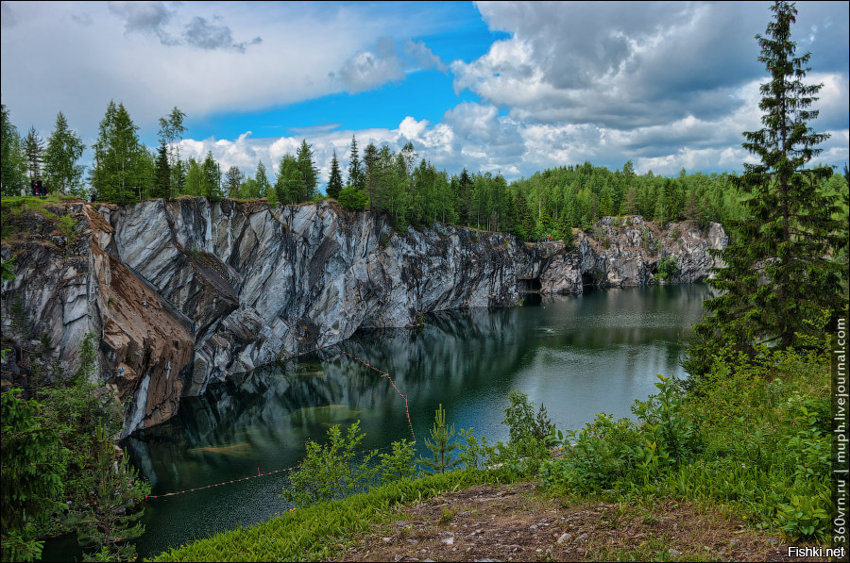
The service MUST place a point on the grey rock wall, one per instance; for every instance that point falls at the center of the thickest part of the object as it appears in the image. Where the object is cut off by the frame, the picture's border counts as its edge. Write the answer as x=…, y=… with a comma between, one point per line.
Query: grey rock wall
x=187, y=292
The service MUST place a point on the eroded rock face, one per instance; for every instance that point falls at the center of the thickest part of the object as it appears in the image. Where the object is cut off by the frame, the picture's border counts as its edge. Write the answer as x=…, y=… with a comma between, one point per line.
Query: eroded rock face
x=187, y=292
x=625, y=251
x=260, y=284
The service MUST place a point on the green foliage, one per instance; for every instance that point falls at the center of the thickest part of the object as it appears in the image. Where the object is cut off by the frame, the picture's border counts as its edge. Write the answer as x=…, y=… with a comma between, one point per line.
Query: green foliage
x=353, y=199
x=211, y=179
x=64, y=149
x=162, y=173
x=668, y=267
x=32, y=471
x=119, y=173
x=398, y=464
x=475, y=453
x=335, y=180
x=12, y=160
x=333, y=470
x=319, y=532
x=112, y=521
x=33, y=146
x=171, y=131
x=441, y=445
x=780, y=269
x=754, y=434
x=7, y=273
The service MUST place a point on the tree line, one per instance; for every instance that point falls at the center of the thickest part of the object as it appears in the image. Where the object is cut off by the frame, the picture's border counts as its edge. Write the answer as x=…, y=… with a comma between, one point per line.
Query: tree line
x=410, y=190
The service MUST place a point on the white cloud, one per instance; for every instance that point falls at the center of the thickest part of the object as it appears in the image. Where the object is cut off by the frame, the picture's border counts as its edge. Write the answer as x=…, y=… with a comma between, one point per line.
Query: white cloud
x=199, y=56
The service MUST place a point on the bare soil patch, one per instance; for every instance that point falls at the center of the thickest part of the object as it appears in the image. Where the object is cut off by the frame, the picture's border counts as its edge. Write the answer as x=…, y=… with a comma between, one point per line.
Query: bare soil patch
x=514, y=523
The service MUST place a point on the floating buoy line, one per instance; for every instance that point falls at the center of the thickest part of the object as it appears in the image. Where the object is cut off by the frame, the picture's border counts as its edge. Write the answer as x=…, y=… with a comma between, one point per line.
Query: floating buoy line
x=292, y=468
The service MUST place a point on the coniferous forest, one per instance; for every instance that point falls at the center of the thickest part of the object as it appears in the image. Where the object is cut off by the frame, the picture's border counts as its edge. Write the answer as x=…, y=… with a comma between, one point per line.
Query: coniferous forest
x=409, y=189
x=746, y=441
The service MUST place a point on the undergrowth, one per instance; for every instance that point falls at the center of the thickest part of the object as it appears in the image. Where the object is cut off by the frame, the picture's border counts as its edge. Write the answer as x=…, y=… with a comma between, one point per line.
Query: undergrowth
x=755, y=436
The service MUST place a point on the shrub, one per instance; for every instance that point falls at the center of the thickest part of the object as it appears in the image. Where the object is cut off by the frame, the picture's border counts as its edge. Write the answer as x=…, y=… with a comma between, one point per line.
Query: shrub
x=353, y=199
x=330, y=471
x=668, y=267
x=440, y=445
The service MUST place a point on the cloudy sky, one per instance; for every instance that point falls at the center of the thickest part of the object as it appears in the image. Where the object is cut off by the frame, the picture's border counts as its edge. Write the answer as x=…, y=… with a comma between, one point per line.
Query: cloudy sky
x=501, y=87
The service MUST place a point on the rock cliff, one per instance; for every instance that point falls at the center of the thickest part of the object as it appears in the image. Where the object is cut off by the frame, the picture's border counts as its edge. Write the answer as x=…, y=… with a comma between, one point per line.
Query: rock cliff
x=187, y=292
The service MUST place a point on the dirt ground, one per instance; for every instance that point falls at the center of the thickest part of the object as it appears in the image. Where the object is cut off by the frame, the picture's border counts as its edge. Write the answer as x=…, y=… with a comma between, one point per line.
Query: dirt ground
x=512, y=523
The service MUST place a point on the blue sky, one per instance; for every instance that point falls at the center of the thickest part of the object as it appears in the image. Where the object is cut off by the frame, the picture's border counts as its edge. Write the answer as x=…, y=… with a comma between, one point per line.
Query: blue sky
x=502, y=87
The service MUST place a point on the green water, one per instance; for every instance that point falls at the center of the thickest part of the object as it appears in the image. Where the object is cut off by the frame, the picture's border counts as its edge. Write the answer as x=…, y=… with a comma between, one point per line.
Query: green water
x=578, y=355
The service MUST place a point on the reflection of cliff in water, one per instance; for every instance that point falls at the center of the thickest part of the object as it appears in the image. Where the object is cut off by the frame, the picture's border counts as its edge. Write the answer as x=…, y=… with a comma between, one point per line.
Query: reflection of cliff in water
x=283, y=405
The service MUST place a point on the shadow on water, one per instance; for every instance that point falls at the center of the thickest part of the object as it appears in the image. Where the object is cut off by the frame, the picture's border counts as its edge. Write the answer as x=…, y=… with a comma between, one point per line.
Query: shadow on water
x=577, y=354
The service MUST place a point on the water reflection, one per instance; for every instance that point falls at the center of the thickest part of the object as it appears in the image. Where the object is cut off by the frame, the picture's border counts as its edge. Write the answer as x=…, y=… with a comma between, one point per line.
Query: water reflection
x=579, y=355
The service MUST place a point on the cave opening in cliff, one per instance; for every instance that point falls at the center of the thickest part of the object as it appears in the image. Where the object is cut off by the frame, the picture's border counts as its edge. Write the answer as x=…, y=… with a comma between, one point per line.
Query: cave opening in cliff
x=529, y=285
x=587, y=279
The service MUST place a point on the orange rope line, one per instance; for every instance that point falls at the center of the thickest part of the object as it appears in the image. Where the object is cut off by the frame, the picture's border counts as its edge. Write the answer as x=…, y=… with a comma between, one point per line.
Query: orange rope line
x=387, y=375
x=285, y=469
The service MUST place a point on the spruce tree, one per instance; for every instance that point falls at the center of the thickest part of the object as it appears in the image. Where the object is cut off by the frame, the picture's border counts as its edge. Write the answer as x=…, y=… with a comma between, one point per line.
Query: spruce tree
x=34, y=150
x=119, y=159
x=309, y=173
x=162, y=173
x=356, y=178
x=211, y=178
x=12, y=162
x=64, y=149
x=335, y=181
x=779, y=275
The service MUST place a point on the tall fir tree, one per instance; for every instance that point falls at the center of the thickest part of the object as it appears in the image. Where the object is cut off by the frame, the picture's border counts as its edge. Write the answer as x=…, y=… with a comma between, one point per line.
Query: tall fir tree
x=64, y=149
x=34, y=151
x=309, y=173
x=12, y=162
x=372, y=173
x=335, y=180
x=356, y=177
x=211, y=177
x=780, y=276
x=162, y=173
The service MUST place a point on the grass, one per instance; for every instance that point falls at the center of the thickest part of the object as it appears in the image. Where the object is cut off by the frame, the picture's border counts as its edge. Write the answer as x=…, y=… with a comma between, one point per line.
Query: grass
x=323, y=530
x=753, y=439
x=14, y=208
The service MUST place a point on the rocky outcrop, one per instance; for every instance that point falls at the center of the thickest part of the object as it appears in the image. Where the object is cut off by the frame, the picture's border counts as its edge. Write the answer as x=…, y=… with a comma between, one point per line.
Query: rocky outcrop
x=626, y=251
x=187, y=292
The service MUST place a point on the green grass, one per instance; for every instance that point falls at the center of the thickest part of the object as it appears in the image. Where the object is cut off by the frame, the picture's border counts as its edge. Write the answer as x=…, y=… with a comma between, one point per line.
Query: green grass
x=14, y=208
x=755, y=439
x=322, y=531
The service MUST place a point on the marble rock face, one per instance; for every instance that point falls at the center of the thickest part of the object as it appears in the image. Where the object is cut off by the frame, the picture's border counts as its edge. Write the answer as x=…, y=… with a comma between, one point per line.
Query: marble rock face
x=183, y=293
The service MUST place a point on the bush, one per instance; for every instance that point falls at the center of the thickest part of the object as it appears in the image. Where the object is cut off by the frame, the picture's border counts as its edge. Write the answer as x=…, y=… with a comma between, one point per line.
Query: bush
x=353, y=199
x=667, y=268
x=330, y=471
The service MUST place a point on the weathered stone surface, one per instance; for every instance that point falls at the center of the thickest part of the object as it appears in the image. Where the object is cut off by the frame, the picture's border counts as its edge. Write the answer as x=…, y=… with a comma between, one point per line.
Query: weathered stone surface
x=625, y=251
x=187, y=292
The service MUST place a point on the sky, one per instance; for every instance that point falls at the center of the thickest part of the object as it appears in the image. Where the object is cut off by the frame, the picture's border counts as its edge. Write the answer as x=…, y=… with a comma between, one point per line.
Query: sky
x=504, y=87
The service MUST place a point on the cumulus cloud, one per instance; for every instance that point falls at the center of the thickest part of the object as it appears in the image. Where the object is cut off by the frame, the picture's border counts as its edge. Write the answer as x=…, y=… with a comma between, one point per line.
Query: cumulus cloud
x=368, y=69
x=420, y=55
x=385, y=63
x=152, y=18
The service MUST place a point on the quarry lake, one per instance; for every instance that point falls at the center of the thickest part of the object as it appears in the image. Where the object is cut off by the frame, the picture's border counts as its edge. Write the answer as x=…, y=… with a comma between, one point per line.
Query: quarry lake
x=578, y=355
